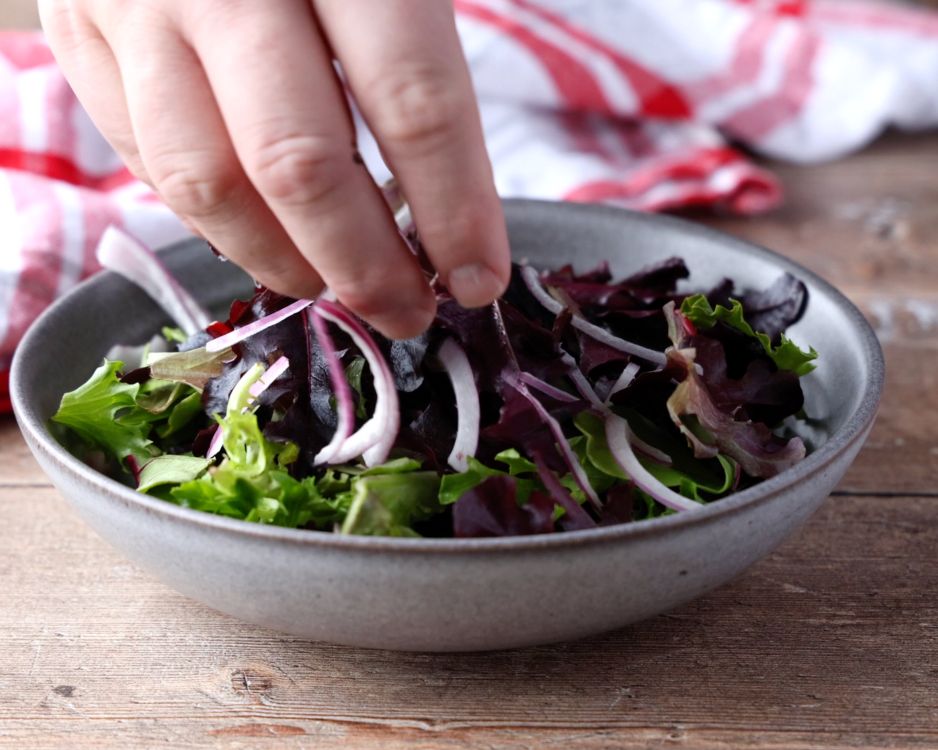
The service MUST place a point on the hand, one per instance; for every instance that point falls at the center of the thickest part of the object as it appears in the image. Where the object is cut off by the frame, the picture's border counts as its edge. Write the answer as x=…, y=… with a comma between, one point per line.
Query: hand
x=232, y=111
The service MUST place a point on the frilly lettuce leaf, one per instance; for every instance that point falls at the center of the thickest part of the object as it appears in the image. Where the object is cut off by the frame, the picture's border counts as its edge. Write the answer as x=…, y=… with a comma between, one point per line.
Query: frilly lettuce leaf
x=389, y=504
x=786, y=355
x=689, y=476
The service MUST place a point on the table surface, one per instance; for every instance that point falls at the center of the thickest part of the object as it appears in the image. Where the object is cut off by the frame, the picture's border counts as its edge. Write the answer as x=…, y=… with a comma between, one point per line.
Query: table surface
x=830, y=642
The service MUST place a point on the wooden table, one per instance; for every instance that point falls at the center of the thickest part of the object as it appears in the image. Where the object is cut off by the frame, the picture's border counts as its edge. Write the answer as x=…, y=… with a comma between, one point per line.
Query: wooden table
x=831, y=642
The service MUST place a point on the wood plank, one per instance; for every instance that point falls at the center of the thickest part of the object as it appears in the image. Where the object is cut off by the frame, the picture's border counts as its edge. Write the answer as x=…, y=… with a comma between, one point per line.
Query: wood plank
x=866, y=223
x=19, y=14
x=901, y=454
x=17, y=465
x=833, y=638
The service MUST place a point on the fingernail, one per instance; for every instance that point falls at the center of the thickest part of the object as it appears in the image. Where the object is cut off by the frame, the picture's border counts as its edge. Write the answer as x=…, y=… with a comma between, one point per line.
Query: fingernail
x=474, y=285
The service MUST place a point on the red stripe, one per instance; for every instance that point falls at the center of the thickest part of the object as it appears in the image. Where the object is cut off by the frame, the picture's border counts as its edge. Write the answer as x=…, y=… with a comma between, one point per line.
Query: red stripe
x=795, y=8
x=755, y=192
x=695, y=165
x=657, y=97
x=60, y=168
x=40, y=227
x=748, y=59
x=574, y=81
x=25, y=49
x=761, y=117
x=5, y=405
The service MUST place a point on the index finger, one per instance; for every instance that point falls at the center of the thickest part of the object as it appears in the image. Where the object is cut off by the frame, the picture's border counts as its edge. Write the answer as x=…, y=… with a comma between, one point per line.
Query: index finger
x=412, y=85
x=277, y=92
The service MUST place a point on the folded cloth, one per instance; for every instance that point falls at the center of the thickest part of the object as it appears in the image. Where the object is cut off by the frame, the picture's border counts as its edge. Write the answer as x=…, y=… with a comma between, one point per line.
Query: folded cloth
x=634, y=102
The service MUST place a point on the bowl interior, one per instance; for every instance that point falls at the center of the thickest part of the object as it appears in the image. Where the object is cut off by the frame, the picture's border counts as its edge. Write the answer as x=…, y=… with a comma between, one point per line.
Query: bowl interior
x=69, y=341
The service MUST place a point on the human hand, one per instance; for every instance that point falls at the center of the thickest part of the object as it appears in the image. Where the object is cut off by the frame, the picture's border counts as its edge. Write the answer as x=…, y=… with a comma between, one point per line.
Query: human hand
x=233, y=112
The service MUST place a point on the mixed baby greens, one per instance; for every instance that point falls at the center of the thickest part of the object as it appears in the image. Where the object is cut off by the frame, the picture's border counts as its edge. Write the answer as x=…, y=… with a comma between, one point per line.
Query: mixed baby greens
x=574, y=401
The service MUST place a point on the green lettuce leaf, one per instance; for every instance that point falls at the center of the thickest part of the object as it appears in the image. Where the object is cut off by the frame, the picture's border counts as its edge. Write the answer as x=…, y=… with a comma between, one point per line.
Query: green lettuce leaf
x=275, y=498
x=195, y=367
x=390, y=504
x=171, y=469
x=689, y=476
x=786, y=356
x=104, y=412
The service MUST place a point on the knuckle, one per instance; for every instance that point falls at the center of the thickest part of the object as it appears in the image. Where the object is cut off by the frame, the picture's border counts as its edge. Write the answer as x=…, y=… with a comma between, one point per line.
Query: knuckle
x=300, y=170
x=197, y=190
x=417, y=108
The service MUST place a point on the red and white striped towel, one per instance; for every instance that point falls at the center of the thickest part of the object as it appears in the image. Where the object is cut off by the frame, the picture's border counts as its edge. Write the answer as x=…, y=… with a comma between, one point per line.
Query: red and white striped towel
x=626, y=101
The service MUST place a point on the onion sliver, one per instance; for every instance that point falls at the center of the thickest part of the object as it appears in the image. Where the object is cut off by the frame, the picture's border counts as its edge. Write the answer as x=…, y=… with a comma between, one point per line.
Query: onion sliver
x=374, y=439
x=457, y=367
x=579, y=474
x=121, y=253
x=619, y=438
x=255, y=385
x=245, y=332
x=530, y=276
x=340, y=387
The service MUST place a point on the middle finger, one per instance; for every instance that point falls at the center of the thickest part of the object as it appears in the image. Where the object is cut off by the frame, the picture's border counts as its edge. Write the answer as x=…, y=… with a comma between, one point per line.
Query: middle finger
x=285, y=110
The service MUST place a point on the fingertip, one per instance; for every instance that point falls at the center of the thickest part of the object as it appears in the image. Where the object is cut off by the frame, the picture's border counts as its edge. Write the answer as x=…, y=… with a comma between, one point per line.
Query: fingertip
x=476, y=284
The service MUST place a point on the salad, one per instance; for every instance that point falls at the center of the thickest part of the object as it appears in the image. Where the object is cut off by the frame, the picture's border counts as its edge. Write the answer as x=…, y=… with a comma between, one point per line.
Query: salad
x=576, y=400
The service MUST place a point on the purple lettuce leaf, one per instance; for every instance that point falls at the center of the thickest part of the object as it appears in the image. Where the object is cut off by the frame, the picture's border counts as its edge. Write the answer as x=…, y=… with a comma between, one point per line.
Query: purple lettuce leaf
x=774, y=309
x=752, y=444
x=491, y=509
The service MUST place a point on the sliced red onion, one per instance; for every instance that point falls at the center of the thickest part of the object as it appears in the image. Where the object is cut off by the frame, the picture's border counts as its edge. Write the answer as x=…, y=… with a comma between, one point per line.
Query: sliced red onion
x=546, y=388
x=625, y=379
x=374, y=439
x=218, y=440
x=586, y=390
x=579, y=474
x=533, y=282
x=121, y=253
x=266, y=380
x=255, y=389
x=456, y=364
x=245, y=332
x=345, y=405
x=619, y=438
x=582, y=384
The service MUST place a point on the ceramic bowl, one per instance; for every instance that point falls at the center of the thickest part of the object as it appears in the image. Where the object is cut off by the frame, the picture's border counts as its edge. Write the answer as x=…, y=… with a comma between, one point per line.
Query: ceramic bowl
x=464, y=594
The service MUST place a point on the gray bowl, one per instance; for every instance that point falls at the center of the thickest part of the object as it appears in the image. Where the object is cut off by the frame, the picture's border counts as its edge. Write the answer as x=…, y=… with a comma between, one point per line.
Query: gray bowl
x=460, y=595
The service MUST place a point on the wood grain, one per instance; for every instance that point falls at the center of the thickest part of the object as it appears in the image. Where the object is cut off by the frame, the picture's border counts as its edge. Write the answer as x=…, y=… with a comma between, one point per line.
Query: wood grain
x=833, y=639
x=19, y=14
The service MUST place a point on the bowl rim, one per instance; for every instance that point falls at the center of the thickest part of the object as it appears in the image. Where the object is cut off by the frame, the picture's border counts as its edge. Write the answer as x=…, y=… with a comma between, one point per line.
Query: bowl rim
x=855, y=428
